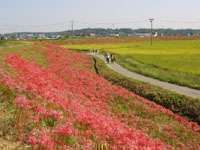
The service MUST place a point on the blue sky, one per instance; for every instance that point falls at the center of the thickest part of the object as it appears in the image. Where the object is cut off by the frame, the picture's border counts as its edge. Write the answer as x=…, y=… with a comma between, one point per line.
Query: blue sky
x=55, y=15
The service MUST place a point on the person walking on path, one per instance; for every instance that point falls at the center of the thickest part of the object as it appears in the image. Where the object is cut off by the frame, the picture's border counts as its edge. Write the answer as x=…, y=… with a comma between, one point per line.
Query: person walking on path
x=106, y=55
x=109, y=58
x=112, y=58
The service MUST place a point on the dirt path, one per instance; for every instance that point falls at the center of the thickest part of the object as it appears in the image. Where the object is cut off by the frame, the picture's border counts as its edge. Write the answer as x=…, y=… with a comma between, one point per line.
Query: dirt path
x=165, y=85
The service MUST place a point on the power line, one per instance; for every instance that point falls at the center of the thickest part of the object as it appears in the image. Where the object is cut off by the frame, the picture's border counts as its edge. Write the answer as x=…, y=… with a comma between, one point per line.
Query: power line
x=180, y=21
x=72, y=22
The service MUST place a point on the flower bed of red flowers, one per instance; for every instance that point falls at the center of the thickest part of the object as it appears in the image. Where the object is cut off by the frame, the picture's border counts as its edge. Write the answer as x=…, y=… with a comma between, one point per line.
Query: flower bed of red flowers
x=66, y=93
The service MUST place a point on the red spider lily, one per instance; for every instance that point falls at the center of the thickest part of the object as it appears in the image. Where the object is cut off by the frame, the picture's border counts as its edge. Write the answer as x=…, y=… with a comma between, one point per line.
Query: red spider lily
x=102, y=125
x=23, y=103
x=32, y=139
x=64, y=130
x=43, y=139
x=41, y=113
x=54, y=114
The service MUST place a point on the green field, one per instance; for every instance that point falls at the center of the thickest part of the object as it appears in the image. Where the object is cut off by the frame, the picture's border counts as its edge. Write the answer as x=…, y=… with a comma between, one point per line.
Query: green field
x=175, y=61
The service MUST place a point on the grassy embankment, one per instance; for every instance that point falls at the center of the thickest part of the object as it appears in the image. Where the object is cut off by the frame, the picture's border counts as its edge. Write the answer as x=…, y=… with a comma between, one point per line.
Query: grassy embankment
x=157, y=125
x=182, y=105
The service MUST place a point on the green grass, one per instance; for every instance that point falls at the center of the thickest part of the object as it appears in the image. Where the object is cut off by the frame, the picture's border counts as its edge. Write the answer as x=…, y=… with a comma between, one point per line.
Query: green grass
x=70, y=140
x=175, y=61
x=24, y=49
x=7, y=112
x=119, y=106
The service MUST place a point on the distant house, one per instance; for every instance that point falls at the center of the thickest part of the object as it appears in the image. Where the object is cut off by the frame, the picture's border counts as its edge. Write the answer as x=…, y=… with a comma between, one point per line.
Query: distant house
x=58, y=36
x=92, y=34
x=115, y=35
x=155, y=34
x=30, y=35
x=143, y=35
x=53, y=37
x=42, y=36
x=162, y=34
x=190, y=34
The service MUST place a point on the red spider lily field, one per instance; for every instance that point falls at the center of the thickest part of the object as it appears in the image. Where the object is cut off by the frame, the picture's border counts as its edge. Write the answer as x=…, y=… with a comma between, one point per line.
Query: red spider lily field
x=59, y=102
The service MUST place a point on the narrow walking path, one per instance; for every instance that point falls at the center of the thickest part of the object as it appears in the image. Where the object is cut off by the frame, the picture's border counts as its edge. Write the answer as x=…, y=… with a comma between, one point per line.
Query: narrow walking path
x=169, y=86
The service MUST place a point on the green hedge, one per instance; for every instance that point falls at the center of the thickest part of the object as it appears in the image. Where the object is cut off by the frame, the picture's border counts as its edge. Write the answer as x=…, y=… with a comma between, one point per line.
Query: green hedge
x=182, y=105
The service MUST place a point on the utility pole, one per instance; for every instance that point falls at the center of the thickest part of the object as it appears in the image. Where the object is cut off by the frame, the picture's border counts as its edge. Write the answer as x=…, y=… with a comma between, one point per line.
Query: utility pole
x=113, y=26
x=151, y=21
x=72, y=27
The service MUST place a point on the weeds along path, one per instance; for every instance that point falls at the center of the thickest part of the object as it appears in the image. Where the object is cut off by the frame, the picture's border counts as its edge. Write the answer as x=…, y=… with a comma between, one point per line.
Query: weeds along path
x=172, y=87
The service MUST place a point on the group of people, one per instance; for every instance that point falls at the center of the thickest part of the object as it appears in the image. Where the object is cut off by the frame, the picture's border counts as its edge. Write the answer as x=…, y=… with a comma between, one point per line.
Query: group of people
x=94, y=51
x=110, y=58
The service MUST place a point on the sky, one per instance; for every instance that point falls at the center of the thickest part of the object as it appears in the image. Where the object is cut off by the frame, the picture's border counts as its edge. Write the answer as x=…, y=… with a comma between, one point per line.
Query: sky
x=57, y=15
